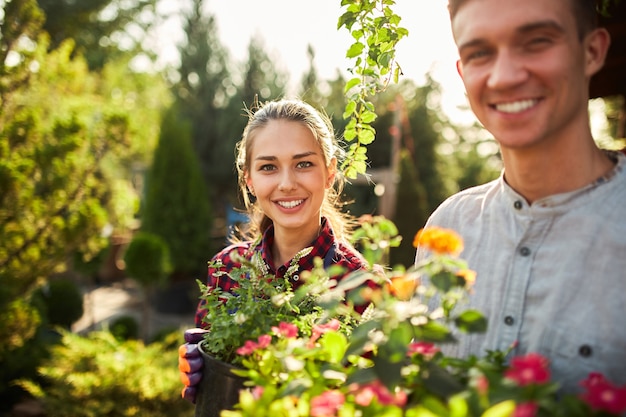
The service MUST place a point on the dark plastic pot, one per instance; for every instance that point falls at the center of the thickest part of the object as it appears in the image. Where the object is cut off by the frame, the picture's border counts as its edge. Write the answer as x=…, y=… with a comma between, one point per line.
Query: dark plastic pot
x=219, y=388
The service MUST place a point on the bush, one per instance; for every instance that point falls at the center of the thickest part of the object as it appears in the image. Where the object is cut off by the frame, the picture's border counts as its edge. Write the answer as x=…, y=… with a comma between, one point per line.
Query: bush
x=147, y=259
x=99, y=375
x=124, y=328
x=60, y=302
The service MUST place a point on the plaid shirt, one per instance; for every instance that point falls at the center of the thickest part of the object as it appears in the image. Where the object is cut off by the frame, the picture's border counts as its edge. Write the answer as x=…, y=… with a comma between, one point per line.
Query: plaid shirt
x=344, y=255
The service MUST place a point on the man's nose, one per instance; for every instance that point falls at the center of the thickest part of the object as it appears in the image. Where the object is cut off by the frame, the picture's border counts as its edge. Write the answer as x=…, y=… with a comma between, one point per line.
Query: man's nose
x=507, y=71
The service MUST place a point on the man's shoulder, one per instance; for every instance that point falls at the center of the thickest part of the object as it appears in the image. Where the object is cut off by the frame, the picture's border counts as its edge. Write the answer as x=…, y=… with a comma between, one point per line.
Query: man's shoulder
x=471, y=195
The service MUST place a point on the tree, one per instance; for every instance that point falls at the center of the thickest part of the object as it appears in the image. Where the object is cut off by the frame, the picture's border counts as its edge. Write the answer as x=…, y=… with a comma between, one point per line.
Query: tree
x=61, y=138
x=411, y=210
x=176, y=207
x=103, y=30
x=203, y=94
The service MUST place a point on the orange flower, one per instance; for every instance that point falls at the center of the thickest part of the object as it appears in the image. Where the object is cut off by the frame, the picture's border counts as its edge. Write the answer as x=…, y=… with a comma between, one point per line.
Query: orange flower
x=439, y=240
x=403, y=287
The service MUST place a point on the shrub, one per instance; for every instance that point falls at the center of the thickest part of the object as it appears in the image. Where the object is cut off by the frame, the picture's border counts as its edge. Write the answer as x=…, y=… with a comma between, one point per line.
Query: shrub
x=99, y=375
x=124, y=328
x=60, y=302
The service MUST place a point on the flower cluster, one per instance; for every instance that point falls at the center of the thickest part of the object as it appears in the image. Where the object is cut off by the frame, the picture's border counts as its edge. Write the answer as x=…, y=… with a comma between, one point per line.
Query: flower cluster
x=388, y=363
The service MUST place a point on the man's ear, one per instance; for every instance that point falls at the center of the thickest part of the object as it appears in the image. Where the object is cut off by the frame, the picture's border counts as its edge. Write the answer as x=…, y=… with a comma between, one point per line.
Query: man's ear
x=459, y=68
x=596, y=46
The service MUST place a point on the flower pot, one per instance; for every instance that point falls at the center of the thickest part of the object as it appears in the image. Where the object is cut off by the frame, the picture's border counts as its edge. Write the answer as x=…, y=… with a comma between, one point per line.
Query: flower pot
x=219, y=388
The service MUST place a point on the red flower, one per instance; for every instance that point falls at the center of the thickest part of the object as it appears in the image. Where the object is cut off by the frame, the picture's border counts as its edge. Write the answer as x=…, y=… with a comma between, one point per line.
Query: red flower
x=366, y=393
x=288, y=330
x=327, y=404
x=601, y=394
x=529, y=369
x=427, y=349
x=525, y=410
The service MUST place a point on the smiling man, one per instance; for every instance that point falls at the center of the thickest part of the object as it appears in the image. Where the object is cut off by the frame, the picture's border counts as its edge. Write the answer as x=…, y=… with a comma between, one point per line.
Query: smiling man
x=548, y=238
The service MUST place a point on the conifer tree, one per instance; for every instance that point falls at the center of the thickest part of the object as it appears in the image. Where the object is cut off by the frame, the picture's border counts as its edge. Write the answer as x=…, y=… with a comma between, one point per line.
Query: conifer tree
x=177, y=206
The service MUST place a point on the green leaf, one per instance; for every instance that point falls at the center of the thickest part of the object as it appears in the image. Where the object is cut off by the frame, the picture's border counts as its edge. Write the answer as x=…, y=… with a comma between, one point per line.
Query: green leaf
x=471, y=321
x=366, y=137
x=503, y=409
x=355, y=50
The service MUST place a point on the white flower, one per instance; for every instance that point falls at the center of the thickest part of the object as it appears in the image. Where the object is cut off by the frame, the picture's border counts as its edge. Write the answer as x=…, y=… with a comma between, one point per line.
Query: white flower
x=240, y=318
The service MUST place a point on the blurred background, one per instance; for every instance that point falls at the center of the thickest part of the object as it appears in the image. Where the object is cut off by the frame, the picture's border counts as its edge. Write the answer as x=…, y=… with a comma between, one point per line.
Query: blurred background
x=118, y=123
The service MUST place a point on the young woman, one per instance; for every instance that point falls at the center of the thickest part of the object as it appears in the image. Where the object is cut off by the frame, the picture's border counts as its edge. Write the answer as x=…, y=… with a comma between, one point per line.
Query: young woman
x=287, y=166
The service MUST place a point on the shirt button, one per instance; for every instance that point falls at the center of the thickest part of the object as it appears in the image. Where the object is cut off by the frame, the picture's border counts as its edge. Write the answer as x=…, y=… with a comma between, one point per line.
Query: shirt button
x=281, y=270
x=585, y=351
x=524, y=251
x=296, y=277
x=508, y=320
x=517, y=205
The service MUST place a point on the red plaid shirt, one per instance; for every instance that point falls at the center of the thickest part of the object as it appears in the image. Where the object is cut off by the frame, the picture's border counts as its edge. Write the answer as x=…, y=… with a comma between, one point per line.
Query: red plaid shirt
x=344, y=255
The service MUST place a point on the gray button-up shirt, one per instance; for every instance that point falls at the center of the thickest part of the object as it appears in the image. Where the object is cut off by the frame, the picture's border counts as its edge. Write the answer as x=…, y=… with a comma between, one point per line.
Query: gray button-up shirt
x=551, y=276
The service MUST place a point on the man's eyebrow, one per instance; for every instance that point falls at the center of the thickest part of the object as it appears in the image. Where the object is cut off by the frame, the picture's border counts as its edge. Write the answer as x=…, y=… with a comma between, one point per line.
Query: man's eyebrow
x=544, y=24
x=524, y=29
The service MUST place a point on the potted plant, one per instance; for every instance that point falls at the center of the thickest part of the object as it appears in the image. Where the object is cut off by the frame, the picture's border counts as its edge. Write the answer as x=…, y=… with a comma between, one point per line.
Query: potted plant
x=259, y=303
x=388, y=364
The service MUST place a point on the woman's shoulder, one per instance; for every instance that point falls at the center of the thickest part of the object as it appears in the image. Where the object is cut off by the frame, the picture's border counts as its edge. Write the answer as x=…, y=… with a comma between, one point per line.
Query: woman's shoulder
x=348, y=257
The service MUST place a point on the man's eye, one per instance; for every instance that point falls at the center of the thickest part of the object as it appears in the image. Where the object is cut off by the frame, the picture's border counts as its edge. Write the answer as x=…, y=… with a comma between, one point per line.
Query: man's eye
x=478, y=54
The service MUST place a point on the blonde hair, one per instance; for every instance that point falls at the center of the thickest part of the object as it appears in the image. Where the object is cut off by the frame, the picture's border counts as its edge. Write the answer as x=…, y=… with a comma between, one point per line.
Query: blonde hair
x=322, y=129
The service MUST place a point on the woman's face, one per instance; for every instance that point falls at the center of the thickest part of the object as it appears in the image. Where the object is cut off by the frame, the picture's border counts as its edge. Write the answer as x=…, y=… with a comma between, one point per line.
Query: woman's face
x=288, y=175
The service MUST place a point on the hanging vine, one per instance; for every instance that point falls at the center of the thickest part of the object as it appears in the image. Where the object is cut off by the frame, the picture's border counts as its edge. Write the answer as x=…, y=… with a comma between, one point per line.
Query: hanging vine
x=376, y=32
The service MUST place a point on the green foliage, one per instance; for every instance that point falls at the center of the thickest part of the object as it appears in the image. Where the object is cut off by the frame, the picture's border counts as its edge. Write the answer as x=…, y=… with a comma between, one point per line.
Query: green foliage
x=99, y=27
x=412, y=209
x=61, y=301
x=376, y=31
x=124, y=328
x=147, y=259
x=259, y=302
x=98, y=376
x=176, y=203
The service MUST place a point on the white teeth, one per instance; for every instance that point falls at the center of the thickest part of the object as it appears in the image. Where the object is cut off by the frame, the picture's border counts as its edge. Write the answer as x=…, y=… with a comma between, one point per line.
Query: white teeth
x=290, y=204
x=515, y=106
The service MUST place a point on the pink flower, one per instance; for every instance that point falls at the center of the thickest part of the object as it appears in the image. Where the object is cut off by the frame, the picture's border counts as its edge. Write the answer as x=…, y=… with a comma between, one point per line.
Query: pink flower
x=366, y=393
x=257, y=392
x=288, y=330
x=482, y=384
x=320, y=329
x=327, y=404
x=601, y=394
x=247, y=349
x=427, y=349
x=528, y=409
x=529, y=369
x=264, y=341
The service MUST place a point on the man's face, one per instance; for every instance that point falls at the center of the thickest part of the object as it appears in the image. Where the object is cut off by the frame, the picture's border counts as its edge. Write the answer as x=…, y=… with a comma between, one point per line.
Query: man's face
x=524, y=67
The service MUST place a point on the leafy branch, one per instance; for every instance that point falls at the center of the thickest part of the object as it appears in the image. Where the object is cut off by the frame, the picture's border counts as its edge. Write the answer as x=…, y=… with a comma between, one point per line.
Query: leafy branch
x=376, y=32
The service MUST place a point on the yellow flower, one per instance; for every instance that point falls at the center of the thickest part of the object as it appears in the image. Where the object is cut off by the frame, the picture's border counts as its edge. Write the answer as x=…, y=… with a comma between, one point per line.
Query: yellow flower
x=439, y=240
x=468, y=275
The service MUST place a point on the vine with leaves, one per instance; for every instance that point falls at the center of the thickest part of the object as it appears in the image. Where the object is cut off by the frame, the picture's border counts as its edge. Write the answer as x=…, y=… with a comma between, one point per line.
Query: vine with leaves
x=376, y=32
x=375, y=28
